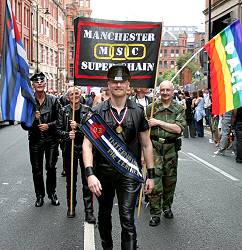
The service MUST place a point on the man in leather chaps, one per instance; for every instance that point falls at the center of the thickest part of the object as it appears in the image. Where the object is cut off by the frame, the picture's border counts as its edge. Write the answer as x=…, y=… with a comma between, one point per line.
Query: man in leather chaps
x=128, y=120
x=43, y=142
x=66, y=130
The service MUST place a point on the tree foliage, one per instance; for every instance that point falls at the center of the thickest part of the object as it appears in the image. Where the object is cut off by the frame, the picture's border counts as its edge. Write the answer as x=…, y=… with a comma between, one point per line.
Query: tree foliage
x=168, y=75
x=193, y=65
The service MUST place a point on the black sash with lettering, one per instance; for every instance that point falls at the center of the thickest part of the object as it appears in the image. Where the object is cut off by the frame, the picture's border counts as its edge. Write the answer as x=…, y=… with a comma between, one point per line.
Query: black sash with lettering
x=111, y=147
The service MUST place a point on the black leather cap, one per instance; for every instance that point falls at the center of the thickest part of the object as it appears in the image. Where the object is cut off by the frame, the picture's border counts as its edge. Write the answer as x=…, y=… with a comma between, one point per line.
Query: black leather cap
x=38, y=76
x=118, y=73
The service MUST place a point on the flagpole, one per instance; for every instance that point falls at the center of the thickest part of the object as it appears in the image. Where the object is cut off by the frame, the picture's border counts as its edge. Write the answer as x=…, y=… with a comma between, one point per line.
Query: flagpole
x=72, y=155
x=178, y=72
x=152, y=111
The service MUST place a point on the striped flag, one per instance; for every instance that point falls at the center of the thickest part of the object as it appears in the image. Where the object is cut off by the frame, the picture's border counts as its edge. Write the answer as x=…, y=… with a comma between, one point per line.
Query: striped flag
x=16, y=95
x=225, y=53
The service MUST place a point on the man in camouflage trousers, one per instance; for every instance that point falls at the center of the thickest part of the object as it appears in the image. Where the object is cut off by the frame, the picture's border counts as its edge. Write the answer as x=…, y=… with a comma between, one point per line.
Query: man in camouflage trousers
x=167, y=124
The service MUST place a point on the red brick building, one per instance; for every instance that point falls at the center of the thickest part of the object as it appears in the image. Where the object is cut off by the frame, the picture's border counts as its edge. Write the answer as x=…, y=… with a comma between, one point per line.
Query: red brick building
x=173, y=45
x=73, y=9
x=22, y=12
x=48, y=42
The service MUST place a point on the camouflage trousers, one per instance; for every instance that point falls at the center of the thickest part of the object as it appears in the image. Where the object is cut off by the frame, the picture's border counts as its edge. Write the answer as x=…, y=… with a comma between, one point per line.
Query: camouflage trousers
x=166, y=159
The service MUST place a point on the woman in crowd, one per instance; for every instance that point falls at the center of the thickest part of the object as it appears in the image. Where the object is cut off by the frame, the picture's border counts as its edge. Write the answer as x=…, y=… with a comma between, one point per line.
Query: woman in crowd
x=199, y=114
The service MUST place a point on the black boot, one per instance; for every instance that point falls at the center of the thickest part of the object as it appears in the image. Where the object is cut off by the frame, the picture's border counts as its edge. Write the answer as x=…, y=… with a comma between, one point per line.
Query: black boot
x=88, y=204
x=168, y=213
x=54, y=200
x=39, y=201
x=90, y=218
x=107, y=246
x=129, y=245
x=154, y=221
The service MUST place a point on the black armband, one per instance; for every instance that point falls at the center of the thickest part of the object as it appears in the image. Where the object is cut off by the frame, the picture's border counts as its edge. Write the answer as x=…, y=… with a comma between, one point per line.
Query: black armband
x=89, y=171
x=150, y=173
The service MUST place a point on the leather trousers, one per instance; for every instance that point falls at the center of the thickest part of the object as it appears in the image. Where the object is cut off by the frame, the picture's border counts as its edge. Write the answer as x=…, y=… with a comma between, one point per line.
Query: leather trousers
x=37, y=151
x=87, y=194
x=127, y=191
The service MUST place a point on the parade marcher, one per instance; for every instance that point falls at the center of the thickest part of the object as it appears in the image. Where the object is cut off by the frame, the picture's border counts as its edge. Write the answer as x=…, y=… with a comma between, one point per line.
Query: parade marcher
x=63, y=101
x=43, y=142
x=166, y=125
x=189, y=130
x=66, y=130
x=199, y=114
x=141, y=97
x=237, y=123
x=90, y=99
x=128, y=120
x=226, y=123
x=207, y=107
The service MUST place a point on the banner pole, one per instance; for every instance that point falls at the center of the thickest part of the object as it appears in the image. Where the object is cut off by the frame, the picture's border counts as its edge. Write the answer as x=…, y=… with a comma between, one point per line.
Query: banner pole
x=189, y=60
x=72, y=155
x=152, y=111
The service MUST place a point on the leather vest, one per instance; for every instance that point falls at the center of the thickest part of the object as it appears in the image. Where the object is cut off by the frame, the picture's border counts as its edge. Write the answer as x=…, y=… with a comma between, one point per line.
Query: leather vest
x=133, y=123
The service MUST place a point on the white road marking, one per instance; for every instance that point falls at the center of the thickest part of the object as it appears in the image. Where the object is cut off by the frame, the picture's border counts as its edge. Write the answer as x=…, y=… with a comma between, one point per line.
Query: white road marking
x=89, y=242
x=211, y=166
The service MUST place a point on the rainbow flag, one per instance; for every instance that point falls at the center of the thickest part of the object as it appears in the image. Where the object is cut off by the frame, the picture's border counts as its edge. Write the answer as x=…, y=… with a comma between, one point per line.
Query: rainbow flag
x=225, y=53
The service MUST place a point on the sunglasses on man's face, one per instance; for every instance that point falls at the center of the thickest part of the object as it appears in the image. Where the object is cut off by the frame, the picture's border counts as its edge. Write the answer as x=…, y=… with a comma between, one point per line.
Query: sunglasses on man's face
x=39, y=82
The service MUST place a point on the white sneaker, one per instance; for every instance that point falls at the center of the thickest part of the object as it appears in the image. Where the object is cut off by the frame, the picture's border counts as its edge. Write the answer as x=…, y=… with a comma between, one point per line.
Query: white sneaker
x=219, y=152
x=211, y=141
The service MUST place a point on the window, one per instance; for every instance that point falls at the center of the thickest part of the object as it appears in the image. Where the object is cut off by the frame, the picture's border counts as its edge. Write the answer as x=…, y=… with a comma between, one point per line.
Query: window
x=165, y=64
x=47, y=29
x=160, y=63
x=41, y=25
x=19, y=13
x=71, y=72
x=46, y=55
x=71, y=36
x=172, y=64
x=56, y=58
x=177, y=52
x=51, y=57
x=165, y=53
x=161, y=53
x=42, y=54
x=172, y=53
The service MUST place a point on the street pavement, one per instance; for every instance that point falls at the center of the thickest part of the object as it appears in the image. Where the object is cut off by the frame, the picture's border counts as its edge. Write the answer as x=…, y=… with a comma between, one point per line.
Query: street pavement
x=207, y=204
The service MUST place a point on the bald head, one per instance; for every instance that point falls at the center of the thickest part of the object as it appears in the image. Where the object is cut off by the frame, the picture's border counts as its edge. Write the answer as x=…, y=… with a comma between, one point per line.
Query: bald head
x=70, y=91
x=166, y=92
x=167, y=84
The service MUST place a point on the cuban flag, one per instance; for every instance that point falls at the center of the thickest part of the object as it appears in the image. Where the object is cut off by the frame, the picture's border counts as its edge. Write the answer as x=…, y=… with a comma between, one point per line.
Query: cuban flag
x=16, y=95
x=111, y=146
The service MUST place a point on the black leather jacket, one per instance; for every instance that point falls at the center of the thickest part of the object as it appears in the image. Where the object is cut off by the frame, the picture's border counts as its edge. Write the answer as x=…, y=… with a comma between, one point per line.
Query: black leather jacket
x=48, y=114
x=133, y=123
x=63, y=124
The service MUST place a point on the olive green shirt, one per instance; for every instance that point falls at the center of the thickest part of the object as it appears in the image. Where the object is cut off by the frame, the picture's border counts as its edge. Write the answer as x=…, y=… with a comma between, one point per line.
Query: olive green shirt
x=174, y=114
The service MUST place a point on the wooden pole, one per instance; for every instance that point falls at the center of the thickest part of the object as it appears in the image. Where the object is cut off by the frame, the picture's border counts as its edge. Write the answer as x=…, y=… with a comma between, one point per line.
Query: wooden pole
x=190, y=59
x=152, y=111
x=72, y=156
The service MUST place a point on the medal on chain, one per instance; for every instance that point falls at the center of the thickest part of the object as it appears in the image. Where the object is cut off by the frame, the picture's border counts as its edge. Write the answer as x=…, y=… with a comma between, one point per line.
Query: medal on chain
x=119, y=128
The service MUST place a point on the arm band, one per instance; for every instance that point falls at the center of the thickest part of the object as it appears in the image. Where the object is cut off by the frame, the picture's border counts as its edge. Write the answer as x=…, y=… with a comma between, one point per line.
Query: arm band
x=89, y=171
x=150, y=173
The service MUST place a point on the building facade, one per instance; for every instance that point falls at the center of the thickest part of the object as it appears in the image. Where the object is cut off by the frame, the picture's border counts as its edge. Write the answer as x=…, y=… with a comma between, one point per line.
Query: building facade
x=22, y=12
x=223, y=13
x=73, y=9
x=173, y=45
x=48, y=42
